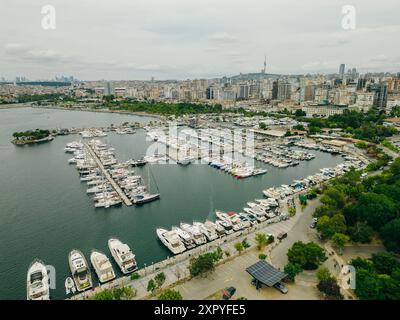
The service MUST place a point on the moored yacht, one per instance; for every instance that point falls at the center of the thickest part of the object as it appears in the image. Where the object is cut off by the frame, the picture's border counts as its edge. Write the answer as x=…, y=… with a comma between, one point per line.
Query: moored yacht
x=207, y=229
x=226, y=225
x=171, y=240
x=79, y=270
x=122, y=255
x=186, y=237
x=198, y=236
x=37, y=282
x=102, y=266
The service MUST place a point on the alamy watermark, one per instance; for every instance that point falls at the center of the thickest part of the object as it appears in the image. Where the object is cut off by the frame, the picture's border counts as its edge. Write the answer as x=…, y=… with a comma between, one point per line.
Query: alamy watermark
x=225, y=146
x=49, y=17
x=349, y=17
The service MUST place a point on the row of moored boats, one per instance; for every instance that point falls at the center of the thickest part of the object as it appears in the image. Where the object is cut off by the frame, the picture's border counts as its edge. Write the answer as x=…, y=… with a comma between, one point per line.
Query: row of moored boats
x=38, y=287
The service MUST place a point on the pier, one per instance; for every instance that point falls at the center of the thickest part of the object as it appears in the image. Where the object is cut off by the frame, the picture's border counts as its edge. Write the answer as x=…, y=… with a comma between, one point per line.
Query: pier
x=103, y=170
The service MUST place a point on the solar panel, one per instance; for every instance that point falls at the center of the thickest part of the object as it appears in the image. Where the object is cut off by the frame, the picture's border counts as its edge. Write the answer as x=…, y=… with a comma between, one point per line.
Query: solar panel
x=265, y=273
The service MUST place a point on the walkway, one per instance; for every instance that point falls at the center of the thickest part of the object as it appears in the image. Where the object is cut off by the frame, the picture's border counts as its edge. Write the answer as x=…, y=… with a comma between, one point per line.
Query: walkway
x=105, y=173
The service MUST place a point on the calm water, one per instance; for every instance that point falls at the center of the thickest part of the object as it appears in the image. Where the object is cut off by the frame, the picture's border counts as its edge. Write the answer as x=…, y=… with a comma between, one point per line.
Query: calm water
x=45, y=212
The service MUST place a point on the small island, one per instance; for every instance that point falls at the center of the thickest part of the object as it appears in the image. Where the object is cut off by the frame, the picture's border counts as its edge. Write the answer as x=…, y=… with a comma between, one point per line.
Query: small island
x=32, y=137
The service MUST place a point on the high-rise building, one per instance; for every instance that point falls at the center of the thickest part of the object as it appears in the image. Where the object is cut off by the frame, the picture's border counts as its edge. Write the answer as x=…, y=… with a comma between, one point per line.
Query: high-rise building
x=284, y=91
x=380, y=91
x=275, y=90
x=342, y=70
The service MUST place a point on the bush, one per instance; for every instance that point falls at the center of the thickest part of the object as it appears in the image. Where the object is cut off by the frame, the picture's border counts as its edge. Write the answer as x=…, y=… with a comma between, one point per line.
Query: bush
x=169, y=294
x=135, y=276
x=201, y=265
x=262, y=256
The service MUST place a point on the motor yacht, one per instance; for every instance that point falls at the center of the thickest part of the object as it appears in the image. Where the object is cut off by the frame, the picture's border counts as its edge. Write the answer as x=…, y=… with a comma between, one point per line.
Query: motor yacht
x=102, y=266
x=185, y=237
x=171, y=240
x=79, y=270
x=122, y=255
x=37, y=282
x=198, y=236
x=207, y=229
x=226, y=225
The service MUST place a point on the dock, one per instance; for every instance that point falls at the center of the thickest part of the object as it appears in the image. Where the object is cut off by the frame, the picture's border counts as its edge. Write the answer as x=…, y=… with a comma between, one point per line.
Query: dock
x=103, y=170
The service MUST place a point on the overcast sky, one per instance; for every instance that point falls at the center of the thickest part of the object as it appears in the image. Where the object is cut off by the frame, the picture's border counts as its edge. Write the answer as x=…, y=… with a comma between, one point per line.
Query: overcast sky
x=179, y=39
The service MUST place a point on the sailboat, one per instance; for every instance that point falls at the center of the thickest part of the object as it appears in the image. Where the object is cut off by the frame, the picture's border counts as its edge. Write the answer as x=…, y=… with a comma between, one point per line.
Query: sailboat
x=146, y=196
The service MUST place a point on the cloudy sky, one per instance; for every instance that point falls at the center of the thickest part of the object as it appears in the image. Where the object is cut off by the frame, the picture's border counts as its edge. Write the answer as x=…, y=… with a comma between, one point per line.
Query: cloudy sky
x=179, y=39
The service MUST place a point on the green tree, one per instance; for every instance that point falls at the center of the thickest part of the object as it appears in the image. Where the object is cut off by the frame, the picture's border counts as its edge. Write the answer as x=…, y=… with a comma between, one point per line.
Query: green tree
x=105, y=294
x=307, y=255
x=262, y=256
x=239, y=247
x=151, y=285
x=339, y=240
x=201, y=265
x=170, y=294
x=160, y=279
x=262, y=126
x=390, y=234
x=385, y=262
x=262, y=240
x=361, y=232
x=292, y=270
x=323, y=274
x=376, y=209
x=328, y=226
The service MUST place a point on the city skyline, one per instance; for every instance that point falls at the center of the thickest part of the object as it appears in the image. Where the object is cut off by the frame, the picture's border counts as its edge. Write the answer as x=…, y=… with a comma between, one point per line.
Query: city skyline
x=197, y=40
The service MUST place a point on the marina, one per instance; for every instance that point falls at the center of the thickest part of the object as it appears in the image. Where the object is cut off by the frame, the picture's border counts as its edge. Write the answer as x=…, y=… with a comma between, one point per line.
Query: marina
x=62, y=207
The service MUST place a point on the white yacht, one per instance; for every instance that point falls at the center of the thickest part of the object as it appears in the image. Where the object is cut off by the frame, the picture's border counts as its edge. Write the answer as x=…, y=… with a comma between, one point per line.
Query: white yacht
x=122, y=255
x=186, y=238
x=226, y=225
x=102, y=266
x=218, y=229
x=79, y=270
x=207, y=229
x=171, y=240
x=37, y=282
x=198, y=236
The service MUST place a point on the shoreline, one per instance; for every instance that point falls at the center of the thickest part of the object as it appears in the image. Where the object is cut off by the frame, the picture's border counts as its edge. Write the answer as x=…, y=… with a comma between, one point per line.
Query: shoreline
x=140, y=114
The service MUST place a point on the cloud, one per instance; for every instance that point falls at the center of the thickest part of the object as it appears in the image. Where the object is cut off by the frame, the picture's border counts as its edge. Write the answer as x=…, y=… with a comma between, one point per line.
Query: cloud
x=222, y=38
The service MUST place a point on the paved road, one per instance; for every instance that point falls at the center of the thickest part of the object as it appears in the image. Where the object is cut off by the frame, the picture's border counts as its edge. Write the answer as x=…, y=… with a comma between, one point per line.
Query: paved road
x=301, y=231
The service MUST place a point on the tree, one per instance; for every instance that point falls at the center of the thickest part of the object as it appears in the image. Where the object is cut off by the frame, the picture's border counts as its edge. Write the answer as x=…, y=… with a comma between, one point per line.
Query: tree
x=160, y=279
x=151, y=286
x=330, y=288
x=262, y=126
x=376, y=209
x=262, y=256
x=262, y=240
x=361, y=232
x=369, y=286
x=201, y=265
x=239, y=247
x=323, y=274
x=170, y=294
x=328, y=226
x=300, y=113
x=292, y=270
x=390, y=234
x=105, y=294
x=339, y=240
x=385, y=262
x=308, y=256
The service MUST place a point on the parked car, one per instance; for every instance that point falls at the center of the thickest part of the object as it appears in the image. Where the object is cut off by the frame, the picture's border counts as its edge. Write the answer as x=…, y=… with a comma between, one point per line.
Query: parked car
x=282, y=236
x=228, y=293
x=281, y=287
x=313, y=223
